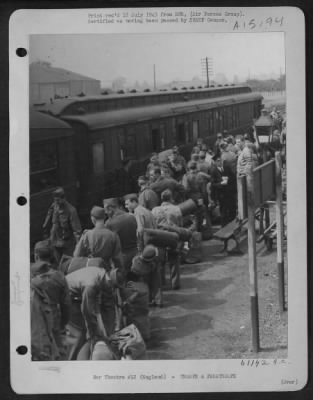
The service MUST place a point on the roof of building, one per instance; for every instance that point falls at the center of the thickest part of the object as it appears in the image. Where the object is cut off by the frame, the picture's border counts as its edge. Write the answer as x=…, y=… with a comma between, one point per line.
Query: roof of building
x=121, y=117
x=44, y=73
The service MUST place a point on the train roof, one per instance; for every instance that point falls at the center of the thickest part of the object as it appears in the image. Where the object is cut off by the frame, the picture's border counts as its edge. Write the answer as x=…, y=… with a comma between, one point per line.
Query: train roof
x=43, y=126
x=106, y=119
x=58, y=105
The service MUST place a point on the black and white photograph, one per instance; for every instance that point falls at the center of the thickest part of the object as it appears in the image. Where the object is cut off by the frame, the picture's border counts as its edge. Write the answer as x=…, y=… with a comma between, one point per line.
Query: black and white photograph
x=159, y=178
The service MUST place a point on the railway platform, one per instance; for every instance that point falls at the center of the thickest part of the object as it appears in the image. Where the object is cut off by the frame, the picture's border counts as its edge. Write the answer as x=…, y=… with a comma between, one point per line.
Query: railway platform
x=209, y=317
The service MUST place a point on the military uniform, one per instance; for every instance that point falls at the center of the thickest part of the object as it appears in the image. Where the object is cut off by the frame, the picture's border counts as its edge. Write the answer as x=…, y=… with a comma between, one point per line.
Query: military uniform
x=103, y=243
x=93, y=300
x=52, y=284
x=170, y=214
x=144, y=219
x=125, y=226
x=65, y=228
x=163, y=183
x=135, y=296
x=148, y=198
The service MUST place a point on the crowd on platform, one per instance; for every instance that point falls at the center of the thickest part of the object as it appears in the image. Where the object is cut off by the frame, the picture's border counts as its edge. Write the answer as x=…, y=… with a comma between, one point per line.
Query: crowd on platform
x=91, y=290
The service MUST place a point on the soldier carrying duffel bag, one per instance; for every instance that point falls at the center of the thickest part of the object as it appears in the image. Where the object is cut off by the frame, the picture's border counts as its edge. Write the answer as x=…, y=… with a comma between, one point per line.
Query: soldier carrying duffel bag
x=169, y=214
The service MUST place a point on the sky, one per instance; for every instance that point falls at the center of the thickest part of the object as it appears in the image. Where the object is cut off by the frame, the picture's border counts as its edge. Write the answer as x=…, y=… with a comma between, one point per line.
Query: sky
x=176, y=56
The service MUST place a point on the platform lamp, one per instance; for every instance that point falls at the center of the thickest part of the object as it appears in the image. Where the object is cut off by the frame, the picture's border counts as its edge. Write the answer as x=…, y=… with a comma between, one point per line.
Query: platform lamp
x=264, y=127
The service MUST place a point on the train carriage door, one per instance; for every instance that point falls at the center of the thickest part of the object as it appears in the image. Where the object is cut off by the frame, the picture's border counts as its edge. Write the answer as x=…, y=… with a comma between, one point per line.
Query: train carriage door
x=195, y=130
x=98, y=158
x=162, y=136
x=122, y=143
x=158, y=133
x=127, y=142
x=188, y=132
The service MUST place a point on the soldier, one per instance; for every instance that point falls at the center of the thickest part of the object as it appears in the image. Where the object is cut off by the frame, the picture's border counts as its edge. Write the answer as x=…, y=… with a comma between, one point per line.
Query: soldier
x=218, y=142
x=100, y=242
x=177, y=165
x=135, y=296
x=147, y=197
x=169, y=214
x=125, y=226
x=62, y=225
x=93, y=309
x=149, y=262
x=224, y=186
x=144, y=217
x=229, y=158
x=160, y=183
x=50, y=290
x=195, y=183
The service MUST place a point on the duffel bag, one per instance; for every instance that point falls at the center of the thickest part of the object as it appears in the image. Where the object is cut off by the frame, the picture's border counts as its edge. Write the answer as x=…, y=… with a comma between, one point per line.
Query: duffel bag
x=129, y=343
x=187, y=207
x=161, y=238
x=183, y=233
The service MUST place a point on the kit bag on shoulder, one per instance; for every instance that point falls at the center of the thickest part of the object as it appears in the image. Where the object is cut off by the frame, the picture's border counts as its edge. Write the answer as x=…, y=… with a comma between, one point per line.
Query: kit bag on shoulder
x=43, y=345
x=161, y=238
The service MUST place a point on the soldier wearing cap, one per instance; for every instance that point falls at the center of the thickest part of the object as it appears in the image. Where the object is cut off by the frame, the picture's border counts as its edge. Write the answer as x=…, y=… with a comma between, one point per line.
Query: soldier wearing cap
x=100, y=242
x=125, y=226
x=48, y=282
x=148, y=265
x=62, y=225
x=43, y=251
x=135, y=296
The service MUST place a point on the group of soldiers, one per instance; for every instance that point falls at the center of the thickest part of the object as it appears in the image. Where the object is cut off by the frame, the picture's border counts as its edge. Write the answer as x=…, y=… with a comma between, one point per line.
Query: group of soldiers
x=98, y=281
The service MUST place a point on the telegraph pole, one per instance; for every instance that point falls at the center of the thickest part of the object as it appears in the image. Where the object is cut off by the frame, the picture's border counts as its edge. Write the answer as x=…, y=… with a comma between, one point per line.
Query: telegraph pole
x=207, y=68
x=154, y=78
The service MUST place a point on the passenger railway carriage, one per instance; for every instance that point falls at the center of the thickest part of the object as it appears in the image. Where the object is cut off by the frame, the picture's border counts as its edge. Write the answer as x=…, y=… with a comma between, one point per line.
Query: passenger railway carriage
x=91, y=104
x=100, y=154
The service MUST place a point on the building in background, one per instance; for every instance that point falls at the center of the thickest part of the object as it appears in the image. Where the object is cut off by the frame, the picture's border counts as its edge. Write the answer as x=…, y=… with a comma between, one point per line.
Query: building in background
x=47, y=83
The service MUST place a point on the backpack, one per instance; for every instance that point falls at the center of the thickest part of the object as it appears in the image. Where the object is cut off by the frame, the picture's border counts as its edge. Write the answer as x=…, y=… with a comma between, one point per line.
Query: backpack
x=43, y=344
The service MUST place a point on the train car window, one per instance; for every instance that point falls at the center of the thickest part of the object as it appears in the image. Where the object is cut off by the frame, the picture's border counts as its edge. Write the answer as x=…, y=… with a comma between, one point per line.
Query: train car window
x=195, y=130
x=122, y=143
x=43, y=166
x=228, y=118
x=155, y=140
x=130, y=146
x=162, y=136
x=98, y=158
x=127, y=145
x=188, y=132
x=158, y=138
